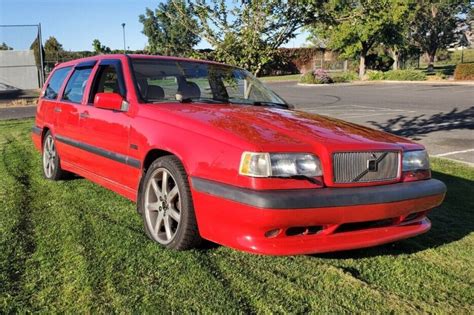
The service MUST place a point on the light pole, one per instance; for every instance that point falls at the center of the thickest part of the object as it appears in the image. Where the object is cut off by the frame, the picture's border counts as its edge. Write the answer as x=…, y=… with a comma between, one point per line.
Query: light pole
x=124, y=47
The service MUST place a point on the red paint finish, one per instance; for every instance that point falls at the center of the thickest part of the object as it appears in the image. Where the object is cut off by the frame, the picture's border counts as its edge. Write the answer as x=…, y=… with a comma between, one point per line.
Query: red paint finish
x=243, y=227
x=209, y=140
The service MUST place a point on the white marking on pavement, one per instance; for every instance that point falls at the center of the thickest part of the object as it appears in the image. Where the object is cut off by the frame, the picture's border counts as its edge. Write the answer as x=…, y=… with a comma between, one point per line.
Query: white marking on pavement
x=454, y=152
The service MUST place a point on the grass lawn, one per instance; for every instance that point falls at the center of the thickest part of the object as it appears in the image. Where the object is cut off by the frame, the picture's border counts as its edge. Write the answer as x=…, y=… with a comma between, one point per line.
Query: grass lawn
x=289, y=77
x=72, y=246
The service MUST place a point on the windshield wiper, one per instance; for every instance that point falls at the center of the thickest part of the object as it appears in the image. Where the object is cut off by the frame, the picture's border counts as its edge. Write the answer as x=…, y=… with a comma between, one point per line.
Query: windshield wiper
x=203, y=100
x=272, y=104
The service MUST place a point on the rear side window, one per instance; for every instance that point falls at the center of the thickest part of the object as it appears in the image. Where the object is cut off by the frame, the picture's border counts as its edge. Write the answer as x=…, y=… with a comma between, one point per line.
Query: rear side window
x=76, y=85
x=55, y=83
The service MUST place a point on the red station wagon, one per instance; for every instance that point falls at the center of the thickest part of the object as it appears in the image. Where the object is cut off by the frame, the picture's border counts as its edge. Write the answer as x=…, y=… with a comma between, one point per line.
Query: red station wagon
x=208, y=152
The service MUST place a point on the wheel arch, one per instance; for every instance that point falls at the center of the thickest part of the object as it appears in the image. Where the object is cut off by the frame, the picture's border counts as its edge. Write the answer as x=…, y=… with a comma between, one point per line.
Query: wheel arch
x=150, y=157
x=43, y=134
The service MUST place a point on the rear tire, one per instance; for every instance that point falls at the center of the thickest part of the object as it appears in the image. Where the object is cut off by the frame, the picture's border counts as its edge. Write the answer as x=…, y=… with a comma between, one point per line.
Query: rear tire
x=51, y=162
x=166, y=205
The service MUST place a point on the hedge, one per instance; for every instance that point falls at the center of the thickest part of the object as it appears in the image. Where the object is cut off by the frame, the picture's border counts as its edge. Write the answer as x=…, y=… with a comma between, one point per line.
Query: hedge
x=397, y=75
x=405, y=75
x=464, y=71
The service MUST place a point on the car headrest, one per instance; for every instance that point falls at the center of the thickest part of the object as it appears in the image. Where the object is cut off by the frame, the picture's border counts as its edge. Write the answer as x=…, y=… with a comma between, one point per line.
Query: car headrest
x=142, y=86
x=155, y=92
x=189, y=90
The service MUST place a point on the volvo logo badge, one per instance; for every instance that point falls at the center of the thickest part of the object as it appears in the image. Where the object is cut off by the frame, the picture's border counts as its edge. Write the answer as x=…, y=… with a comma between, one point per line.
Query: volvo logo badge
x=373, y=164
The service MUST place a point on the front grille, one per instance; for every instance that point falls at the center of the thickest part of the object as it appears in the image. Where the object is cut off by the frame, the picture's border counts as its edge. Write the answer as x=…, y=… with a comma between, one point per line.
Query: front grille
x=364, y=167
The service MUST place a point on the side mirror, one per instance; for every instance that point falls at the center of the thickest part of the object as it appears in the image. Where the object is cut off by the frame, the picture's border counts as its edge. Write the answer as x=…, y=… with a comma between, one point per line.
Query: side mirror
x=112, y=101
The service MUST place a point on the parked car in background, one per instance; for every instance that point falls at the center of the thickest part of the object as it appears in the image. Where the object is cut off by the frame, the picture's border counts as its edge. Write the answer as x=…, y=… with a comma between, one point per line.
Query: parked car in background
x=208, y=152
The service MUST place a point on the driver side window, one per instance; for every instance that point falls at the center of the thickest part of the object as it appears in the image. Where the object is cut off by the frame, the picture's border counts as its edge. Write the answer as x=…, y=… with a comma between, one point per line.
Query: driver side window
x=106, y=81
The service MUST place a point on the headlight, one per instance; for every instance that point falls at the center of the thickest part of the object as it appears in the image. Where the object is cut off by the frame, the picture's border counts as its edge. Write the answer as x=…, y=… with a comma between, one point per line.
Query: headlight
x=415, y=160
x=279, y=165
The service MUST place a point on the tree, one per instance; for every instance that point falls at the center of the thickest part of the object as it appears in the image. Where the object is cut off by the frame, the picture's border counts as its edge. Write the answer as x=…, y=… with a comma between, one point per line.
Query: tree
x=433, y=24
x=353, y=27
x=4, y=46
x=52, y=45
x=35, y=47
x=247, y=34
x=99, y=48
x=52, y=49
x=166, y=35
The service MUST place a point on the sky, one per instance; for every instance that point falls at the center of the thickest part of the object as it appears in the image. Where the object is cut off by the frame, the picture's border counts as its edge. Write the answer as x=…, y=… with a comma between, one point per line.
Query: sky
x=76, y=23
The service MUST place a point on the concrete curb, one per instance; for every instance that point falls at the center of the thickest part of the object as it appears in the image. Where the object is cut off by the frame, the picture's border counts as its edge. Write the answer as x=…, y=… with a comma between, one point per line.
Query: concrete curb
x=440, y=82
x=331, y=84
x=21, y=106
x=381, y=82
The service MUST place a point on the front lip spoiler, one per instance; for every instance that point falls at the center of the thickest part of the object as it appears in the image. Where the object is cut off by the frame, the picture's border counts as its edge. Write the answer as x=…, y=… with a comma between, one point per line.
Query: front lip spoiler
x=321, y=197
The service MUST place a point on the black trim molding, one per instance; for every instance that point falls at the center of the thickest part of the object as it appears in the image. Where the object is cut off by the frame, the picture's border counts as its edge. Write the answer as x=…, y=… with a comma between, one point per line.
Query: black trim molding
x=321, y=197
x=99, y=151
x=37, y=130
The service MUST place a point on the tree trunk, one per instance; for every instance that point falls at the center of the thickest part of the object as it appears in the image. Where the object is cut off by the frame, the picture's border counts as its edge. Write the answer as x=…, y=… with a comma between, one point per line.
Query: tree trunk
x=257, y=71
x=395, y=56
x=363, y=54
x=431, y=56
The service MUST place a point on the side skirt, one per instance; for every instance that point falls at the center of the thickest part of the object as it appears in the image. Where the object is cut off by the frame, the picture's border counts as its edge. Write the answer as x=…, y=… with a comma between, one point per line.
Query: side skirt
x=102, y=181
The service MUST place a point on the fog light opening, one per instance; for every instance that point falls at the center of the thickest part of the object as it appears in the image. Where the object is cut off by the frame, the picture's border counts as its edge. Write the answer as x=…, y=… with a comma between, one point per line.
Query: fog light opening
x=272, y=233
x=314, y=229
x=296, y=230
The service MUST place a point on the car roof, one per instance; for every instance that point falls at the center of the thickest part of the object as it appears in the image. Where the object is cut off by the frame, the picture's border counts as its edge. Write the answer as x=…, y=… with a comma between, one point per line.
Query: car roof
x=133, y=56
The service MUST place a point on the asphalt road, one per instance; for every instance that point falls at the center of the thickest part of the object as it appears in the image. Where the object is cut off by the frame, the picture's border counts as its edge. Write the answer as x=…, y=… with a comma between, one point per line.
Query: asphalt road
x=17, y=112
x=440, y=116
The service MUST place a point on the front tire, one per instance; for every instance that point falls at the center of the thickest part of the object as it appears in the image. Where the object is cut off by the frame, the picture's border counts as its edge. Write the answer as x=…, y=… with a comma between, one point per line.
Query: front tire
x=51, y=163
x=166, y=205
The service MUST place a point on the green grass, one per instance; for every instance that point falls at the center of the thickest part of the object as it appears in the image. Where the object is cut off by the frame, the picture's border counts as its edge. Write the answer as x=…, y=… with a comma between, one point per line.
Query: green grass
x=447, y=65
x=289, y=77
x=72, y=246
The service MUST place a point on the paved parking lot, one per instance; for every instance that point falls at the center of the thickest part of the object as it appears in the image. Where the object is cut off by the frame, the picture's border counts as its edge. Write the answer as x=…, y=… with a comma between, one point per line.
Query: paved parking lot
x=440, y=116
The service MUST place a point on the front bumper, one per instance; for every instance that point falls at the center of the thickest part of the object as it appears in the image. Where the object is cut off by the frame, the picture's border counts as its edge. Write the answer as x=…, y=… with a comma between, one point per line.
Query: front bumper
x=313, y=220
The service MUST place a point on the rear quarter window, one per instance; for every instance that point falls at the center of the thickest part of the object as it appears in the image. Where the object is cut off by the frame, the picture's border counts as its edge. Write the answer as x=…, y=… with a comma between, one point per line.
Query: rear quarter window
x=55, y=83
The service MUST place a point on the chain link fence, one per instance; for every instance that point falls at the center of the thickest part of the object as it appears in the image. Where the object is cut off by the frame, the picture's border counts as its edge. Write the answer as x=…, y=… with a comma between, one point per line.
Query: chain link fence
x=21, y=61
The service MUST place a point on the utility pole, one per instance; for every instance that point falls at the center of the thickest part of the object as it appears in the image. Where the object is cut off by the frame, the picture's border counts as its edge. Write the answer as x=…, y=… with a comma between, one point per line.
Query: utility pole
x=124, y=46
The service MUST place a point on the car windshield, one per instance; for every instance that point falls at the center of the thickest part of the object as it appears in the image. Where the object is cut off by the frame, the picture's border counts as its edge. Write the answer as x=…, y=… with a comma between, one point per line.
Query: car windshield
x=161, y=80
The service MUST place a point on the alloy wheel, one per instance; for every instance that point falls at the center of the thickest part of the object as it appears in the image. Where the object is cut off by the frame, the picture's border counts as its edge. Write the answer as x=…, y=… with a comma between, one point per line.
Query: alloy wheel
x=49, y=156
x=162, y=206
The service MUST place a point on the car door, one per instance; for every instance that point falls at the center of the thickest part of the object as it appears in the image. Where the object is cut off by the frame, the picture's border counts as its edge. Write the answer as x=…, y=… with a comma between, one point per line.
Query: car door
x=105, y=132
x=67, y=110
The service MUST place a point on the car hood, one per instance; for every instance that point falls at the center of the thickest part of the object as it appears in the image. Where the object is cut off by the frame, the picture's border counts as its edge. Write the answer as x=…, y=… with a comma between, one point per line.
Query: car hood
x=271, y=129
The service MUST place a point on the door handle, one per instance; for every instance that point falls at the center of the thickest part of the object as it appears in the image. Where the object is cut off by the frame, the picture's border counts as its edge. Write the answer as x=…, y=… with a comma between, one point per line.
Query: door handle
x=57, y=109
x=84, y=115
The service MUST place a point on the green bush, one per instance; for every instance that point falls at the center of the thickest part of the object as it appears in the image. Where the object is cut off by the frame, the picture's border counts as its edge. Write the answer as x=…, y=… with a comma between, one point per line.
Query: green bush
x=464, y=71
x=374, y=75
x=344, y=77
x=405, y=75
x=307, y=78
x=436, y=76
x=339, y=79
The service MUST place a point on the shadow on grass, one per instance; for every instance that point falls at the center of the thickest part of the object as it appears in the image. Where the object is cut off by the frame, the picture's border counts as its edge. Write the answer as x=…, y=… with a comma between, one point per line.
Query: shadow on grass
x=419, y=126
x=452, y=221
